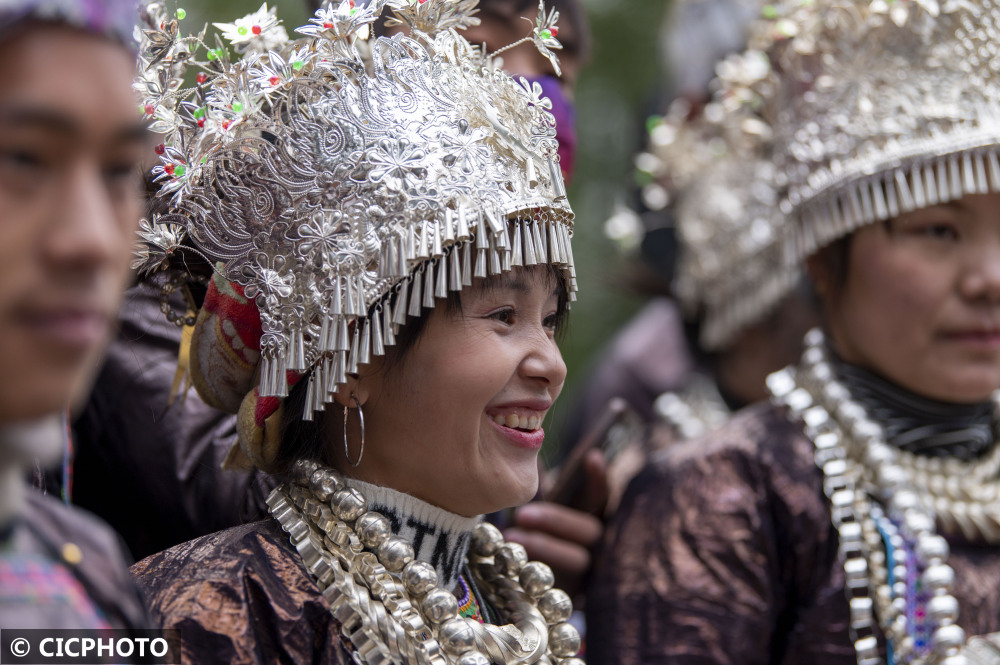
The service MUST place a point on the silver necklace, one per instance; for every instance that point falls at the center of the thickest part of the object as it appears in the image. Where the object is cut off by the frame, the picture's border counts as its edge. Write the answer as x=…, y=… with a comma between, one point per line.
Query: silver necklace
x=389, y=604
x=695, y=410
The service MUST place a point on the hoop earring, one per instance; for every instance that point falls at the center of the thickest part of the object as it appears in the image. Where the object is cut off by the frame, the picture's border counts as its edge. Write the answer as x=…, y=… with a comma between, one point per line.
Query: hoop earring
x=361, y=418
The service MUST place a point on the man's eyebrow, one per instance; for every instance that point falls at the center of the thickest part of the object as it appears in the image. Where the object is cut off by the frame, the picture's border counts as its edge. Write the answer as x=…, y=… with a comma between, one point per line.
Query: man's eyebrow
x=54, y=121
x=43, y=118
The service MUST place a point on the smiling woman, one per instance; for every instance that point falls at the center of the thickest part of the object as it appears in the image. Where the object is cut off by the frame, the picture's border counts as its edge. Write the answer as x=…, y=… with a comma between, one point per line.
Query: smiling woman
x=494, y=359
x=488, y=370
x=385, y=326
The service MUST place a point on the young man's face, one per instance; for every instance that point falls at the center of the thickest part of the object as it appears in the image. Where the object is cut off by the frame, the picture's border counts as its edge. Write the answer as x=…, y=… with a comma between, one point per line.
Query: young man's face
x=70, y=145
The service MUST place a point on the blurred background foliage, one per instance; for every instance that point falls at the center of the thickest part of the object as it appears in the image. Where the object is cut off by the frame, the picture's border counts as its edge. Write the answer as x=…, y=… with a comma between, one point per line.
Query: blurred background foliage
x=616, y=92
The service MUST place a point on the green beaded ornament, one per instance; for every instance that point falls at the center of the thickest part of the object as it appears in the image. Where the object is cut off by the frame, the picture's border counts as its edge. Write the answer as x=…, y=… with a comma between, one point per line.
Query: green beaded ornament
x=786, y=28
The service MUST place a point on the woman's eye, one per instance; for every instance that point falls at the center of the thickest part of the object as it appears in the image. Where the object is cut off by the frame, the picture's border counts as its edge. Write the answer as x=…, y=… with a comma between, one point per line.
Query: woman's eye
x=505, y=315
x=123, y=171
x=939, y=231
x=551, y=321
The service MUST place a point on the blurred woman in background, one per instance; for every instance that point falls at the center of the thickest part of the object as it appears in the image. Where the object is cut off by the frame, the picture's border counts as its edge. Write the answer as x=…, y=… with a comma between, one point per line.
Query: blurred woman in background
x=853, y=519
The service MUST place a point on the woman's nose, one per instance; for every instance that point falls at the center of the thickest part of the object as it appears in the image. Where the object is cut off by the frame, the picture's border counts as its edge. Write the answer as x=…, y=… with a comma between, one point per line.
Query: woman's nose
x=544, y=361
x=981, y=280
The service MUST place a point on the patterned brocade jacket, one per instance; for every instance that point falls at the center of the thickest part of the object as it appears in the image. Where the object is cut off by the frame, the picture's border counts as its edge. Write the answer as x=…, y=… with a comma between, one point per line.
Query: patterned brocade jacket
x=723, y=551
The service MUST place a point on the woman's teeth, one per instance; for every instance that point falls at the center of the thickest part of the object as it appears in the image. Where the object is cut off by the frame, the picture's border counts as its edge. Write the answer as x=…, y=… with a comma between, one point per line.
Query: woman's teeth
x=514, y=421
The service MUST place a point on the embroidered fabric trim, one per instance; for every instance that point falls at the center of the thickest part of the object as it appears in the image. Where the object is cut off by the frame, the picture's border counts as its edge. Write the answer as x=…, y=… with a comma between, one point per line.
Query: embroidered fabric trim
x=468, y=604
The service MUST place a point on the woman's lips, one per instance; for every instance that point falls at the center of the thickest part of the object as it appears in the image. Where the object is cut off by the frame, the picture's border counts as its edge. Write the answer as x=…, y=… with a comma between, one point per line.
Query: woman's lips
x=531, y=440
x=987, y=340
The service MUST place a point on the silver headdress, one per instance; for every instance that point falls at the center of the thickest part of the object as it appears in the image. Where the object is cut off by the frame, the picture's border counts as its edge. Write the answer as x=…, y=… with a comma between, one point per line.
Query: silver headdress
x=716, y=169
x=346, y=182
x=879, y=108
x=865, y=109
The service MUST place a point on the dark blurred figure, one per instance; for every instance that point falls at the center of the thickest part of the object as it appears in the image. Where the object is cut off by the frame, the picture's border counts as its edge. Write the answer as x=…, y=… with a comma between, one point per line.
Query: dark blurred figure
x=70, y=145
x=165, y=455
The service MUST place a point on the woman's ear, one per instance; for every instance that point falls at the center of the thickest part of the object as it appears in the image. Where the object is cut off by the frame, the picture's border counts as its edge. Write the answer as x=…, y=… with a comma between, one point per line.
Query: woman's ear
x=361, y=385
x=820, y=274
x=343, y=396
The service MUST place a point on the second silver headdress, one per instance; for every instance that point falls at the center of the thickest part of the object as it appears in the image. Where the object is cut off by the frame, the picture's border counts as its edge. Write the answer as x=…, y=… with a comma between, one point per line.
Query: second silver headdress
x=714, y=165
x=879, y=108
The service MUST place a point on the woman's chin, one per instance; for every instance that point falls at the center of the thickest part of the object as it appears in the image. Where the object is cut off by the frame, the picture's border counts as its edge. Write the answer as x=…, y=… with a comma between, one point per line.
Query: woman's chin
x=521, y=490
x=969, y=394
x=971, y=386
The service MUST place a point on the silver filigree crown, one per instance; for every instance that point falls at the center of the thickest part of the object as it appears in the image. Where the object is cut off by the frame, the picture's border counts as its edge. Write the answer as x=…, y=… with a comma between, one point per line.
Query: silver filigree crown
x=344, y=181
x=878, y=108
x=871, y=108
x=715, y=167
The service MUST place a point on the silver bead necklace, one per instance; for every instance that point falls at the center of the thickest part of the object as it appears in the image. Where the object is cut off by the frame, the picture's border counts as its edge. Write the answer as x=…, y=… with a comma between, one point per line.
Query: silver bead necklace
x=894, y=561
x=695, y=410
x=389, y=604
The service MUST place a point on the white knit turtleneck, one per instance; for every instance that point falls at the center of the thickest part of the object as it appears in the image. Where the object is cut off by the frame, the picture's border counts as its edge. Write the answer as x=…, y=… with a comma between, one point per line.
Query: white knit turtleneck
x=438, y=537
